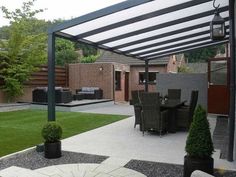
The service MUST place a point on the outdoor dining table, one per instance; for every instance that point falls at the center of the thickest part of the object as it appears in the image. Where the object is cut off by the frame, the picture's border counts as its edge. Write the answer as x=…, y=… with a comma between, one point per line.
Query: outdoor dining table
x=172, y=106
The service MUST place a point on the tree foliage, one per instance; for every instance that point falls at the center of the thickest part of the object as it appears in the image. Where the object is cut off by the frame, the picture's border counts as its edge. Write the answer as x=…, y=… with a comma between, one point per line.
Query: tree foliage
x=202, y=55
x=87, y=49
x=24, y=49
x=184, y=69
x=89, y=59
x=65, y=52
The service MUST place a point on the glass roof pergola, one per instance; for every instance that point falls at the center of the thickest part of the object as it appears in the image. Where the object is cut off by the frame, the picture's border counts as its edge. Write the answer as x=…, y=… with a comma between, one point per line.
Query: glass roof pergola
x=146, y=30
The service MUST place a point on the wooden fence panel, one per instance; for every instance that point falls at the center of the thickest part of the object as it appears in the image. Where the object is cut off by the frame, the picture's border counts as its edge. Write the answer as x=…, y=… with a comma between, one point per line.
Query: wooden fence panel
x=40, y=78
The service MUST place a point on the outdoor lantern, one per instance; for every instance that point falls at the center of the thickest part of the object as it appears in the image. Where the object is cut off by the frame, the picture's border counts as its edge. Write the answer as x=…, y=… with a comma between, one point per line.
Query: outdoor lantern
x=217, y=26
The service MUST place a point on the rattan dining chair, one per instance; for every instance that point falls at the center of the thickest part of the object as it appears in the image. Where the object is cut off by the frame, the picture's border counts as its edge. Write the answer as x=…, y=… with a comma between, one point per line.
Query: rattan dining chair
x=152, y=118
x=174, y=94
x=185, y=114
x=137, y=106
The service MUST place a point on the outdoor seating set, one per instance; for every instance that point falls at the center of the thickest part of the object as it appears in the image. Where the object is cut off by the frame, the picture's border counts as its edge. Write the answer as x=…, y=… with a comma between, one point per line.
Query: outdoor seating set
x=88, y=93
x=163, y=114
x=64, y=95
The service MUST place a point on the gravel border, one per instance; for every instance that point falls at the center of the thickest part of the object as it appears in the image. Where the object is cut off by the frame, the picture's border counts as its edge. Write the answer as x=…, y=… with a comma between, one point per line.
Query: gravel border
x=155, y=169
x=33, y=160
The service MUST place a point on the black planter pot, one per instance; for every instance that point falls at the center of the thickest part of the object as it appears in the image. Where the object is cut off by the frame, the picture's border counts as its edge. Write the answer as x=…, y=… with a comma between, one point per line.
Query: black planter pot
x=204, y=164
x=52, y=150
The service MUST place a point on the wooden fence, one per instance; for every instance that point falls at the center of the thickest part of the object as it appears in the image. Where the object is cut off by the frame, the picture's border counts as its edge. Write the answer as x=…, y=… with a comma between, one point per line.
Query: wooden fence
x=40, y=78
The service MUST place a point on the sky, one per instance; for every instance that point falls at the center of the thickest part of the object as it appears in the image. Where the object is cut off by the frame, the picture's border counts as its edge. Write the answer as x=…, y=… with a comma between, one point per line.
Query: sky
x=63, y=9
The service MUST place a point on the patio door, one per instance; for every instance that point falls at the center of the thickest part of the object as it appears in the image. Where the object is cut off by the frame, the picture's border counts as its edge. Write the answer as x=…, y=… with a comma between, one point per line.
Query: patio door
x=218, y=86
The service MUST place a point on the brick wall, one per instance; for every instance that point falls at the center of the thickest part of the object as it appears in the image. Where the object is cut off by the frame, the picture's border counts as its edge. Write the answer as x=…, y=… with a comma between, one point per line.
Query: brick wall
x=134, y=77
x=90, y=75
x=172, y=65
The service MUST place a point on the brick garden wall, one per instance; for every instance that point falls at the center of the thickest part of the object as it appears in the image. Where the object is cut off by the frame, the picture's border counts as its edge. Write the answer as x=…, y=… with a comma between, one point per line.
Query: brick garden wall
x=89, y=75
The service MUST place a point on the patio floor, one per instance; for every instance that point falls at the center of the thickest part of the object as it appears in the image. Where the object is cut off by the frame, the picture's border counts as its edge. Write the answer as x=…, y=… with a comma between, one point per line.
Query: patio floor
x=120, y=144
x=121, y=140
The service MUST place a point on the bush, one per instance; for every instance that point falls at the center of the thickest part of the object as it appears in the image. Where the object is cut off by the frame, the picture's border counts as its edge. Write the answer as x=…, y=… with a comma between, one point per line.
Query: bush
x=51, y=132
x=199, y=143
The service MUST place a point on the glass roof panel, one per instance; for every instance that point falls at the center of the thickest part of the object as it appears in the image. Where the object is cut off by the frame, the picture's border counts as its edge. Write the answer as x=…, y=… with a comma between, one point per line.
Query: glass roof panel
x=122, y=38
x=107, y=35
x=189, y=45
x=144, y=23
x=192, y=32
x=190, y=48
x=173, y=43
x=120, y=16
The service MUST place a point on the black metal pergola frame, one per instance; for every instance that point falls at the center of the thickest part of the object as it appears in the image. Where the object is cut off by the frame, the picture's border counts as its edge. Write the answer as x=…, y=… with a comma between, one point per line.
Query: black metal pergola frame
x=194, y=36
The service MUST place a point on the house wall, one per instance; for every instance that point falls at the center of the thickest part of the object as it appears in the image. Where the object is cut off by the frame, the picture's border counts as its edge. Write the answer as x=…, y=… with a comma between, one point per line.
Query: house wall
x=134, y=77
x=89, y=75
x=120, y=94
x=172, y=65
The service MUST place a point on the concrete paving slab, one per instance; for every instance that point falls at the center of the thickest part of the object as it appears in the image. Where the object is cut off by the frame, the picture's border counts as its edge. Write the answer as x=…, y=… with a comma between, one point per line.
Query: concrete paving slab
x=121, y=140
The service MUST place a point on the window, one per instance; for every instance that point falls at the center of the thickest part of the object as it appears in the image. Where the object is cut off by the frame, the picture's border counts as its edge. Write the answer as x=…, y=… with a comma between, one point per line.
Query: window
x=151, y=77
x=118, y=80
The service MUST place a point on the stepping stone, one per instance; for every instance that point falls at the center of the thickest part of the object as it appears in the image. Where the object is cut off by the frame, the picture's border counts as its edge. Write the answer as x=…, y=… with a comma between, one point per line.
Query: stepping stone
x=116, y=161
x=88, y=170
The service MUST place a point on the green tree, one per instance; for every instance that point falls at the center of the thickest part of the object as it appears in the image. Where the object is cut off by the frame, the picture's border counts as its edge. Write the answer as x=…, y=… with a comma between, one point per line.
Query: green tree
x=23, y=51
x=184, y=69
x=87, y=49
x=65, y=52
x=202, y=55
x=89, y=59
x=4, y=34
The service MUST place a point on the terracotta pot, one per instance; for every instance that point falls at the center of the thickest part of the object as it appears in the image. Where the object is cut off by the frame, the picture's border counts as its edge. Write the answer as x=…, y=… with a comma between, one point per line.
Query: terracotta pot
x=192, y=163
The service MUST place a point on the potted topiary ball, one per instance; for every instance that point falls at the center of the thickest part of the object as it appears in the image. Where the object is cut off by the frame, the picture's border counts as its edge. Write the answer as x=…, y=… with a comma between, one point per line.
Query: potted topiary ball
x=199, y=146
x=52, y=133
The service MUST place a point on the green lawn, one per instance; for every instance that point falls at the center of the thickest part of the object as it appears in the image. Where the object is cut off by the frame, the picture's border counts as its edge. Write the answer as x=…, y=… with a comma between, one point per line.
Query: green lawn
x=22, y=129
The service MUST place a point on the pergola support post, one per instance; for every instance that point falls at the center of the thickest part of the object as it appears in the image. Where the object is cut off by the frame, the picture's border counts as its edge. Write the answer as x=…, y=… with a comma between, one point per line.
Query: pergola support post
x=51, y=77
x=232, y=81
x=146, y=75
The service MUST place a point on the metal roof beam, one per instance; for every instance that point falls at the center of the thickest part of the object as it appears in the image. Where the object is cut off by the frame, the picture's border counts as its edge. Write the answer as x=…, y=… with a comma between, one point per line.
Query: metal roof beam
x=188, y=49
x=143, y=17
x=175, y=45
x=84, y=41
x=184, y=49
x=202, y=25
x=169, y=41
x=97, y=14
x=163, y=25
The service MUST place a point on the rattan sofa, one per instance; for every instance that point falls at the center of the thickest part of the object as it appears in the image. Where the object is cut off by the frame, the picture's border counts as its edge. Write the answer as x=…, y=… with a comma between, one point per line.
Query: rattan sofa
x=62, y=95
x=90, y=92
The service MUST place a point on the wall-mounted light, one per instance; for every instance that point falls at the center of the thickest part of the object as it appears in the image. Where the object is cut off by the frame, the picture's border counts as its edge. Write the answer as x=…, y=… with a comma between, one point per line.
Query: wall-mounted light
x=100, y=68
x=217, y=25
